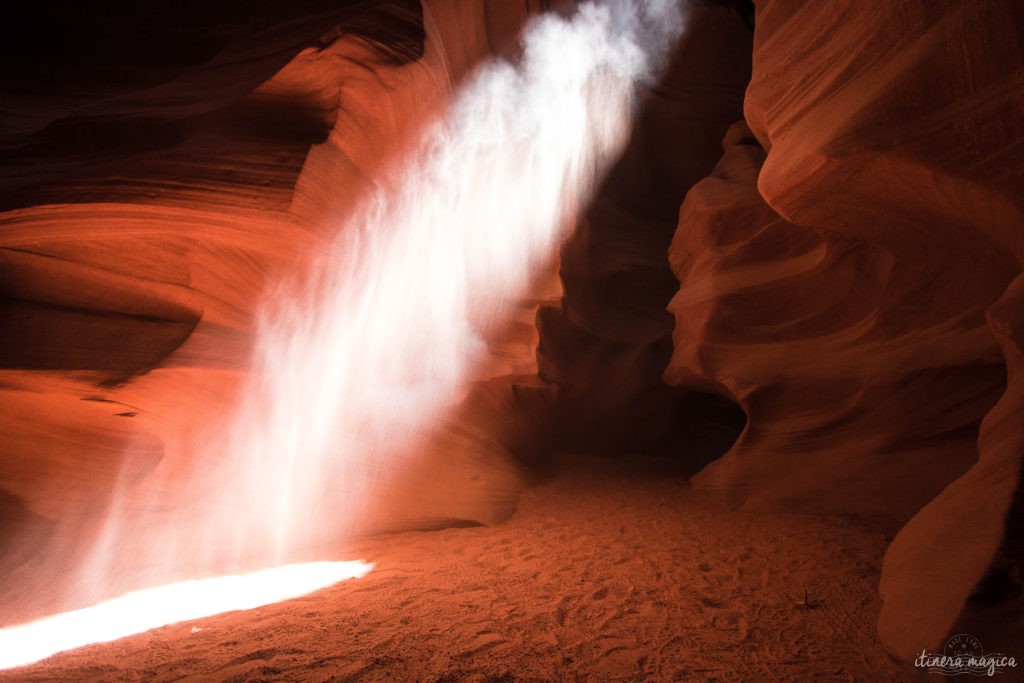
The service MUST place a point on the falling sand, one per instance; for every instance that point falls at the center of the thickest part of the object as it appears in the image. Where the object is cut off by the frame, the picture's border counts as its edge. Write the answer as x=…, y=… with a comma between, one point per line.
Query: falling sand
x=606, y=572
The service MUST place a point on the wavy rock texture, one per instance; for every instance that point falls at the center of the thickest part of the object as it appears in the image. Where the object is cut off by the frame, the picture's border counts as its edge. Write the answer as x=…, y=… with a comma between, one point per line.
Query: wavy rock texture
x=851, y=288
x=147, y=210
x=607, y=343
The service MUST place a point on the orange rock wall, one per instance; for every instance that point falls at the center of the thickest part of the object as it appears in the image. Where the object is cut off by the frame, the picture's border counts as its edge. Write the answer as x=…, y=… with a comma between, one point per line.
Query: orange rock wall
x=849, y=276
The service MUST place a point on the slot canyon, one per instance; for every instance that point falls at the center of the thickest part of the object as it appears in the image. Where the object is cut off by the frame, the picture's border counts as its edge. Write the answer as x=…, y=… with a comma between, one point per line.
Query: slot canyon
x=653, y=340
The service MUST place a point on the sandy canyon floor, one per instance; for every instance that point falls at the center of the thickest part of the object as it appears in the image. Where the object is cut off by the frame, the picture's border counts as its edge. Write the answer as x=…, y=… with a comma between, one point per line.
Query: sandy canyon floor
x=604, y=573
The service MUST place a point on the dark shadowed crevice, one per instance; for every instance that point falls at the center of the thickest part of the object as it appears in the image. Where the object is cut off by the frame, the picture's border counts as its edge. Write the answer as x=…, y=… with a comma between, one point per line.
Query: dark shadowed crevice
x=607, y=343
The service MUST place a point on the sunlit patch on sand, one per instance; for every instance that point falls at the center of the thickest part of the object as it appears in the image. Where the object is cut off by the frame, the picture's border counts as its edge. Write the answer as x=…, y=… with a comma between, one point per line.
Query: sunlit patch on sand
x=151, y=608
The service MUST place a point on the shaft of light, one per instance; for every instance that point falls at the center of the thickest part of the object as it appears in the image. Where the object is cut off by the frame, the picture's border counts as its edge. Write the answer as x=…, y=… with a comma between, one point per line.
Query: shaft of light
x=151, y=608
x=388, y=329
x=357, y=359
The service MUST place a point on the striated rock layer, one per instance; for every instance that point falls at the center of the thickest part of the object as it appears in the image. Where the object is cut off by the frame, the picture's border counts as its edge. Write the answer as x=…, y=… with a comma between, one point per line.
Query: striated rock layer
x=851, y=276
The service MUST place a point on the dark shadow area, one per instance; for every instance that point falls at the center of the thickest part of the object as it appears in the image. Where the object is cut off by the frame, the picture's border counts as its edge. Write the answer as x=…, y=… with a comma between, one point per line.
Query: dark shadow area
x=591, y=416
x=58, y=314
x=46, y=336
x=112, y=94
x=607, y=343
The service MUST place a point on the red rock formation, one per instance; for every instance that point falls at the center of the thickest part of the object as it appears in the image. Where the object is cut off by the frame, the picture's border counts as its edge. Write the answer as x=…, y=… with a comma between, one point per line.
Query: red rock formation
x=783, y=318
x=853, y=293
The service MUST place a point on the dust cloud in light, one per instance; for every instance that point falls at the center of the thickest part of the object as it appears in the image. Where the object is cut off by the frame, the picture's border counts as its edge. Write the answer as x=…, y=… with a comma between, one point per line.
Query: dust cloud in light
x=364, y=354
x=384, y=336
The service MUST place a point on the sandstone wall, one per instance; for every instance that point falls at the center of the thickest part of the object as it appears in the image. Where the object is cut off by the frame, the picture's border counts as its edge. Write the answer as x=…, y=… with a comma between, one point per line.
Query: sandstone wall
x=849, y=275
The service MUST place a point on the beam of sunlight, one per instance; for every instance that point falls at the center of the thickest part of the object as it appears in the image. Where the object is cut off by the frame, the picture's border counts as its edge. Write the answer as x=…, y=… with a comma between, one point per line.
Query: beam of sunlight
x=360, y=357
x=151, y=608
x=380, y=339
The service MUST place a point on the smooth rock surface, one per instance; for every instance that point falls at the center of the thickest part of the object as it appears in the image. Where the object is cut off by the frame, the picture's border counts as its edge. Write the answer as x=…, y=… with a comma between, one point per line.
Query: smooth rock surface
x=852, y=289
